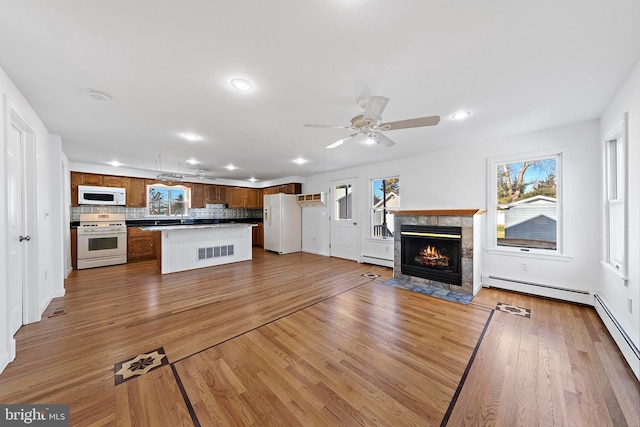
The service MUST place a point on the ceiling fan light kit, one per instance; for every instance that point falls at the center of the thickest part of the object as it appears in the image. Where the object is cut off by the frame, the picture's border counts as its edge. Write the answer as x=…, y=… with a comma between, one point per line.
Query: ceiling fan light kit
x=369, y=123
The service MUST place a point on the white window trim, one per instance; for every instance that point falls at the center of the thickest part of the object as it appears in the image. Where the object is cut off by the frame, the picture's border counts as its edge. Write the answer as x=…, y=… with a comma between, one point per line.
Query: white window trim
x=371, y=237
x=492, y=201
x=187, y=192
x=619, y=134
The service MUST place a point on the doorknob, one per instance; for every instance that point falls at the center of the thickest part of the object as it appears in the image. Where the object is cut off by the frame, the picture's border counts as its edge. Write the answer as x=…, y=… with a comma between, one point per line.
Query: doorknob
x=355, y=223
x=27, y=238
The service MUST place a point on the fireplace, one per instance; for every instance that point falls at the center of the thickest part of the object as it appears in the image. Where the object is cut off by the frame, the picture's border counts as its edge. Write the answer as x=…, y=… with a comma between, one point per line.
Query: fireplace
x=432, y=252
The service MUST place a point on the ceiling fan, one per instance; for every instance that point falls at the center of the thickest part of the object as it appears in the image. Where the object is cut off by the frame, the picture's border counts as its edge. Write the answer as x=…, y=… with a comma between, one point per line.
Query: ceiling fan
x=369, y=123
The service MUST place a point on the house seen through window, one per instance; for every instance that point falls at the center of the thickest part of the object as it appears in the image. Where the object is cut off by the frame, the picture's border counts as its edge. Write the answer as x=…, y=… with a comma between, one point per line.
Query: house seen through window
x=527, y=203
x=167, y=200
x=386, y=196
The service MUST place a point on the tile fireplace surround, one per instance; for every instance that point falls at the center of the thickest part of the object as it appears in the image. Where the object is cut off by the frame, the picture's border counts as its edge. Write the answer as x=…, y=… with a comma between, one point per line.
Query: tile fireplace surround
x=472, y=223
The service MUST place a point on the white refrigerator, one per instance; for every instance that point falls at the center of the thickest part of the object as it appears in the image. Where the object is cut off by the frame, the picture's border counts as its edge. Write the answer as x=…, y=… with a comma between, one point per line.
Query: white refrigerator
x=282, y=219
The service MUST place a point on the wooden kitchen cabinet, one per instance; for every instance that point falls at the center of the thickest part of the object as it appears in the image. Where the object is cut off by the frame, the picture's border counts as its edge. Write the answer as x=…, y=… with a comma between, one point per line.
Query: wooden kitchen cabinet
x=137, y=193
x=218, y=194
x=258, y=235
x=74, y=247
x=197, y=196
x=115, y=181
x=237, y=197
x=253, y=198
x=141, y=245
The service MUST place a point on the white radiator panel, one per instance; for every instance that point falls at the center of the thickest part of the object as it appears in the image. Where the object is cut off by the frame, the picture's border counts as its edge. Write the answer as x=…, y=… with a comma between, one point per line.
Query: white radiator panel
x=550, y=291
x=629, y=350
x=180, y=247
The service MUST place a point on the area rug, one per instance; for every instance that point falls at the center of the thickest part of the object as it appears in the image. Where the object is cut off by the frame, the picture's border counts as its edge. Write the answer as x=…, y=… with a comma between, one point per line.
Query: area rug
x=432, y=291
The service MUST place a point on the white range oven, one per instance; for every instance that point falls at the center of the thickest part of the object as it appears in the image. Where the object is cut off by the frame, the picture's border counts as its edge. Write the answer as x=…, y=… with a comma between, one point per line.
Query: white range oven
x=102, y=240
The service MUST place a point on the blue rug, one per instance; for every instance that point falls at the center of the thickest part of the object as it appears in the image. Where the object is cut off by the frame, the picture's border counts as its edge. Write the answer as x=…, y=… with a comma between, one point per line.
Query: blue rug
x=432, y=291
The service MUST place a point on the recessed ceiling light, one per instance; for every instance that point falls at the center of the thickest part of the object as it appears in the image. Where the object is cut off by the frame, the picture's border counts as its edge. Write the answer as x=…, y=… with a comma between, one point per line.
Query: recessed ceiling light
x=252, y=179
x=190, y=136
x=459, y=115
x=241, y=84
x=192, y=161
x=231, y=167
x=300, y=161
x=98, y=95
x=115, y=163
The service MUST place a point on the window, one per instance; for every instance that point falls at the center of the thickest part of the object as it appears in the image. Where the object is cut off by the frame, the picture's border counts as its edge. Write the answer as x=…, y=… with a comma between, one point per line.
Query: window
x=526, y=202
x=165, y=200
x=386, y=195
x=615, y=196
x=344, y=202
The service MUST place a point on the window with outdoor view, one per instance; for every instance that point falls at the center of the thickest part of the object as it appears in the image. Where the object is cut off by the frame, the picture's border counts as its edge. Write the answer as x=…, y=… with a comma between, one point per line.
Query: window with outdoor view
x=527, y=203
x=386, y=196
x=166, y=200
x=615, y=200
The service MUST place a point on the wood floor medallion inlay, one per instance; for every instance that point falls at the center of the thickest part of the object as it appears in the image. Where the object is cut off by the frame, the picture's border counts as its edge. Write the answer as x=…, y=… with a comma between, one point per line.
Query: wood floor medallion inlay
x=139, y=365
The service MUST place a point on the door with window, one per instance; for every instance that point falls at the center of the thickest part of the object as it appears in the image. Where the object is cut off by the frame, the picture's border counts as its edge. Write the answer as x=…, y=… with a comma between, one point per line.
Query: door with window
x=344, y=224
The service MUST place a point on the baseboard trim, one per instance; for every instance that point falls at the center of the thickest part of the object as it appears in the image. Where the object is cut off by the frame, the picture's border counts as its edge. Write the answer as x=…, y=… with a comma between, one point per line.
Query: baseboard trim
x=368, y=259
x=550, y=291
x=310, y=251
x=626, y=345
x=9, y=356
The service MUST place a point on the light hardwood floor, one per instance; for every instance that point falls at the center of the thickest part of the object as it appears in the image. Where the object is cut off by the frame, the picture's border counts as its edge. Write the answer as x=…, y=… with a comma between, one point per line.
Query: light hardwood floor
x=301, y=339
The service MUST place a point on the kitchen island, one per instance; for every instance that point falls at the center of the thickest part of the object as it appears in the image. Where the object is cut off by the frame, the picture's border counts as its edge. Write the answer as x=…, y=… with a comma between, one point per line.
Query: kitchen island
x=187, y=247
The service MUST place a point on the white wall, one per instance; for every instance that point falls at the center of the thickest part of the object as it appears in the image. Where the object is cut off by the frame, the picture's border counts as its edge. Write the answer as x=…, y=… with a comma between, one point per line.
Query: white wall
x=461, y=173
x=47, y=241
x=615, y=292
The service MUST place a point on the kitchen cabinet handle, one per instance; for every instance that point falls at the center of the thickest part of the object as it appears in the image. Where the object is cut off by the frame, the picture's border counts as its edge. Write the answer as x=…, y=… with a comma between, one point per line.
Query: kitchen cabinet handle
x=27, y=238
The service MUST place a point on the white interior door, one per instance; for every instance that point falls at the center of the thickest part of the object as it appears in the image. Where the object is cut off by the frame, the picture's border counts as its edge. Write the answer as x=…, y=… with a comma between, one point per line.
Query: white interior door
x=344, y=224
x=16, y=244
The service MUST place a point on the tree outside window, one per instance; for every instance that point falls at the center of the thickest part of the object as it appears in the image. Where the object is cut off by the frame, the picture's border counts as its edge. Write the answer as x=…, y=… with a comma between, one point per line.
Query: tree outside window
x=527, y=203
x=386, y=196
x=163, y=200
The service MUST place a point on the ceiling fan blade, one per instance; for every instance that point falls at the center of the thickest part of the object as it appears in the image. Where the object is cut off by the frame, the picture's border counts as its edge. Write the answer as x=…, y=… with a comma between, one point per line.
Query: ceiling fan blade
x=342, y=141
x=308, y=125
x=382, y=140
x=375, y=107
x=411, y=123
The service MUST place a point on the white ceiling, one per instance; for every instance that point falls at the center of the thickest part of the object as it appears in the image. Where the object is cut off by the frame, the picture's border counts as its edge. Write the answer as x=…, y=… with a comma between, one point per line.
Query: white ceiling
x=517, y=65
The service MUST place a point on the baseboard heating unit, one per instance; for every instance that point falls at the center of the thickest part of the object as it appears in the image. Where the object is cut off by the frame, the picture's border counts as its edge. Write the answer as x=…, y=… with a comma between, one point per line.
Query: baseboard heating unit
x=550, y=291
x=368, y=259
x=628, y=348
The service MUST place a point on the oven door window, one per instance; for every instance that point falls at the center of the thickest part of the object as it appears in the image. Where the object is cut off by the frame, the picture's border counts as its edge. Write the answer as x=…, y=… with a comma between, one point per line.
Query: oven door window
x=103, y=243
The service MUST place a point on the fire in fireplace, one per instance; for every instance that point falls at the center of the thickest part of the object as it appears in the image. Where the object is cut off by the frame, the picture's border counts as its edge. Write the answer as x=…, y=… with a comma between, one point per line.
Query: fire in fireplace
x=432, y=252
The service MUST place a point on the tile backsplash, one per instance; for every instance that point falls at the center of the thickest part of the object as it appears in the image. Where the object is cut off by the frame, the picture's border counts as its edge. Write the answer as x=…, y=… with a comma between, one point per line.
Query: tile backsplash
x=212, y=211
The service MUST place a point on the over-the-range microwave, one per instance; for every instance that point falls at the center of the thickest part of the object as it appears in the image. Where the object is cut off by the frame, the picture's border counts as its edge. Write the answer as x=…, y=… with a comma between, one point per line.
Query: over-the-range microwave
x=91, y=195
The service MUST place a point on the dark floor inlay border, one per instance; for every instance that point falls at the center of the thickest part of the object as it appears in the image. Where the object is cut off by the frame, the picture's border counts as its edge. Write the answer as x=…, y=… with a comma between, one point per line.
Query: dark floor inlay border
x=139, y=365
x=518, y=311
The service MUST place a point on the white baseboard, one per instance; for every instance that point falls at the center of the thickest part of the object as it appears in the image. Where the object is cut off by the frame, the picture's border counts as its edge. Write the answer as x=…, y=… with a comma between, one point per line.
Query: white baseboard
x=311, y=251
x=9, y=356
x=628, y=349
x=367, y=259
x=550, y=291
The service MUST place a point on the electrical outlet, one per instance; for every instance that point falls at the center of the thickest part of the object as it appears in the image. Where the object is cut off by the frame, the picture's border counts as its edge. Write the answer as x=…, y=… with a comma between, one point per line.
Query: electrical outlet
x=630, y=305
x=524, y=266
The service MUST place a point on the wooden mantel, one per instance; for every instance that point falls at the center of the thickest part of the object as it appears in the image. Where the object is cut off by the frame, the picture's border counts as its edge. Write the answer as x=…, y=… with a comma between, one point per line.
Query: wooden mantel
x=441, y=212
